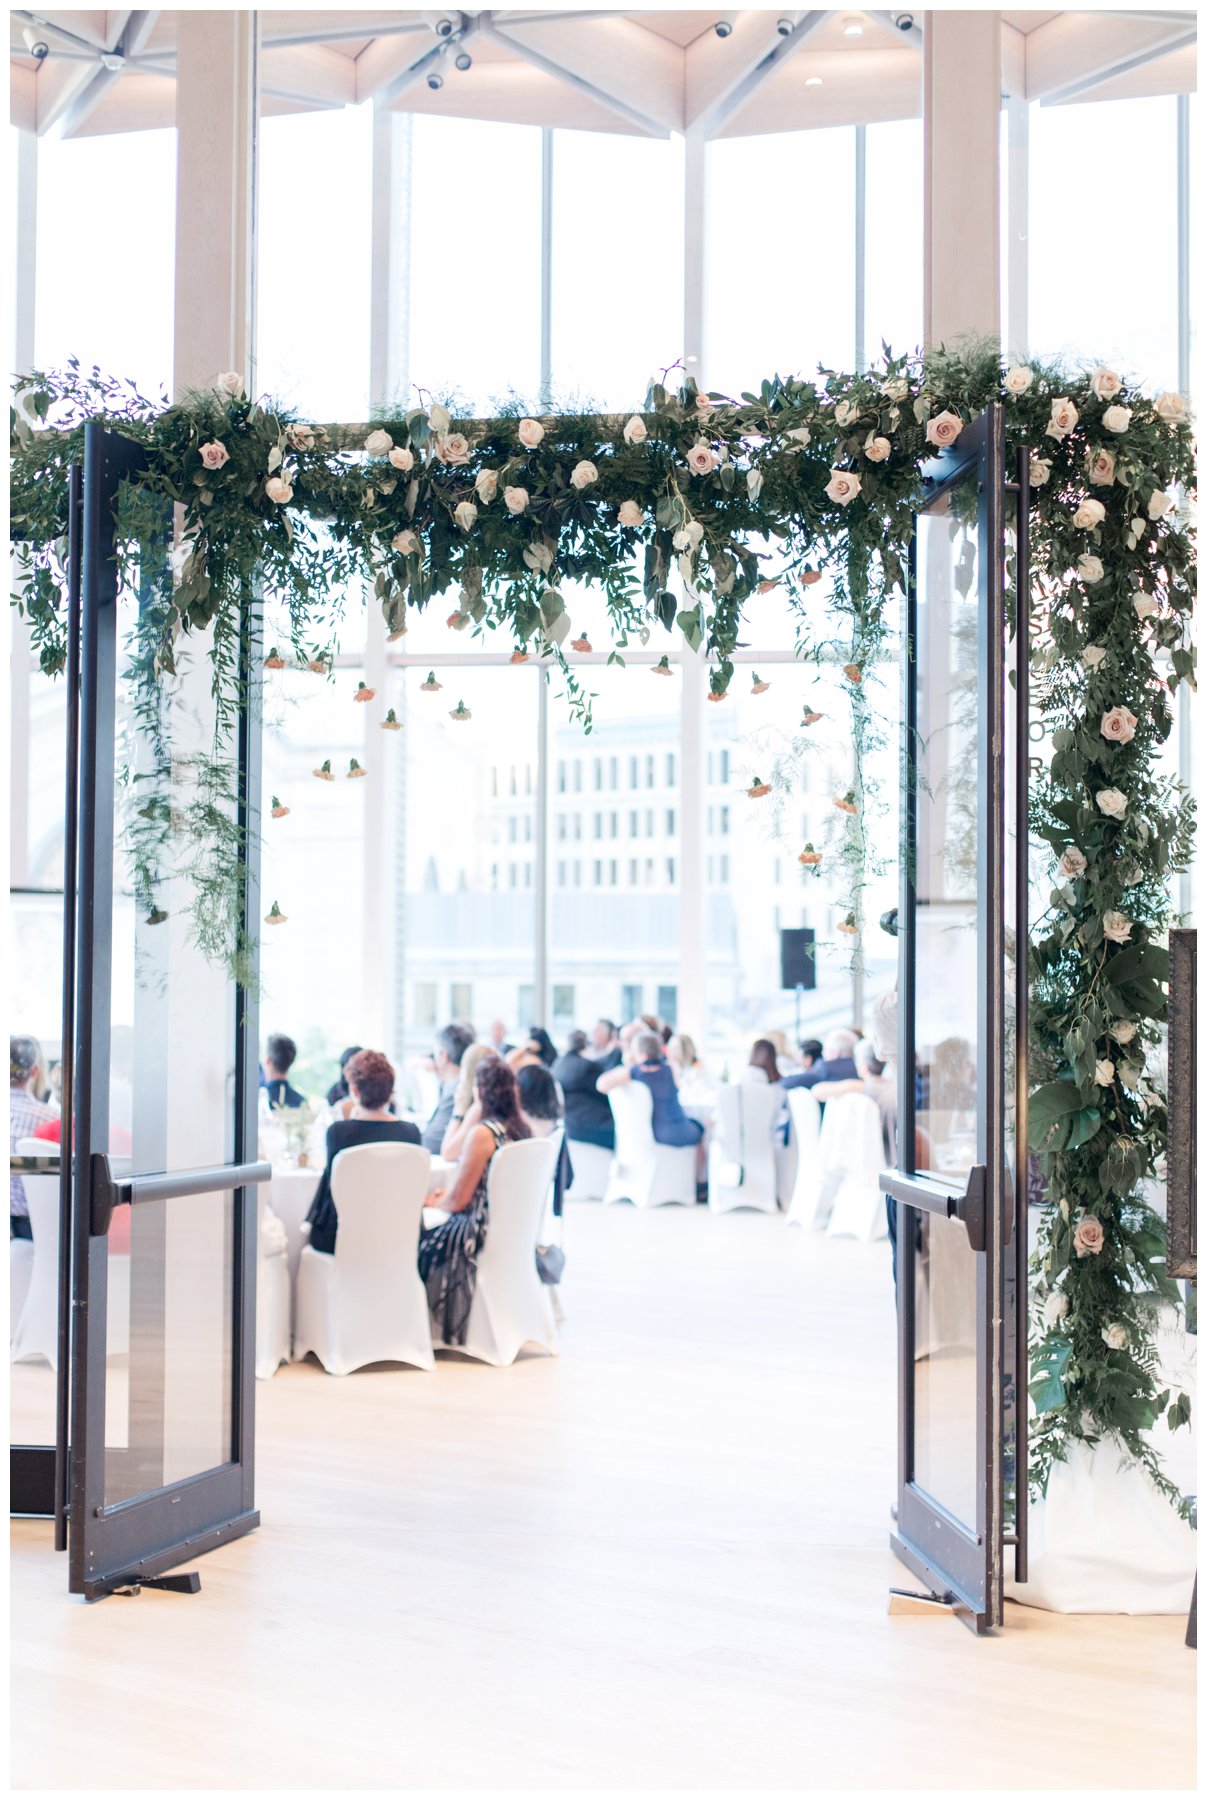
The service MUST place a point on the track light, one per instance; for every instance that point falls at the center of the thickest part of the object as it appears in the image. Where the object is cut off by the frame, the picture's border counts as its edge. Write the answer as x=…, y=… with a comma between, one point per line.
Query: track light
x=852, y=27
x=463, y=60
x=443, y=23
x=435, y=80
x=724, y=25
x=38, y=48
x=904, y=21
x=785, y=27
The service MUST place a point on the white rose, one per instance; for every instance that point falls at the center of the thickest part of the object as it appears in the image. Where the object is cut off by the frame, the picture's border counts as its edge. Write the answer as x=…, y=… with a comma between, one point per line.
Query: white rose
x=1145, y=606
x=230, y=385
x=515, y=498
x=1119, y=725
x=406, y=543
x=301, y=437
x=701, y=459
x=1040, y=470
x=1104, y=1072
x=1117, y=418
x=1171, y=407
x=403, y=459
x=530, y=432
x=453, y=448
x=635, y=431
x=877, y=449
x=278, y=489
x=1105, y=383
x=1018, y=379
x=842, y=486
x=214, y=454
x=1073, y=862
x=630, y=513
x=944, y=429
x=1090, y=568
x=1159, y=504
x=1123, y=1030
x=583, y=474
x=1100, y=469
x=800, y=434
x=1114, y=1336
x=466, y=515
x=1089, y=514
x=486, y=482
x=1092, y=655
x=378, y=443
x=1116, y=928
x=1111, y=802
x=1063, y=418
x=1056, y=1308
x=845, y=411
x=895, y=388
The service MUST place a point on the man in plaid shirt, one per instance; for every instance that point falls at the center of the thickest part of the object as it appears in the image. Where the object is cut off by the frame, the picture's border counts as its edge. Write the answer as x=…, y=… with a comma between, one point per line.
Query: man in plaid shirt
x=25, y=1114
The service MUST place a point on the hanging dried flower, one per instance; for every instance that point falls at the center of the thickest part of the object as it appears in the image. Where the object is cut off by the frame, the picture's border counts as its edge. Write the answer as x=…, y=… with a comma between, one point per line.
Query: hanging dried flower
x=582, y=645
x=758, y=788
x=431, y=685
x=849, y=926
x=394, y=636
x=809, y=856
x=757, y=686
x=274, y=660
x=847, y=802
x=461, y=713
x=811, y=717
x=662, y=667
x=807, y=577
x=355, y=772
x=391, y=722
x=276, y=916
x=519, y=656
x=319, y=665
x=156, y=916
x=364, y=693
x=718, y=697
x=853, y=672
x=324, y=774
x=278, y=811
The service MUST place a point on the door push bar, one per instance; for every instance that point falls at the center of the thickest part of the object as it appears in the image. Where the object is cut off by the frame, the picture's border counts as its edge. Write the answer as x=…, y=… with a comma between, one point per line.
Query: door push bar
x=970, y=1207
x=133, y=1190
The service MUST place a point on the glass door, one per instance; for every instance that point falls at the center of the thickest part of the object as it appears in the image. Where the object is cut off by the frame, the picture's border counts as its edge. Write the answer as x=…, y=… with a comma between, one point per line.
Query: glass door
x=962, y=913
x=165, y=1089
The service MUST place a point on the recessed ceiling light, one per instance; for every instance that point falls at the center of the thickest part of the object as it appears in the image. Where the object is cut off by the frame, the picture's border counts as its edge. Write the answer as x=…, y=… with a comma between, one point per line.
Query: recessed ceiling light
x=813, y=81
x=852, y=27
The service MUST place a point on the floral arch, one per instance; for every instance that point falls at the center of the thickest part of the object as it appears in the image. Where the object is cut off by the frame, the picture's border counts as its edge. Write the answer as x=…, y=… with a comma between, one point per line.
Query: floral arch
x=240, y=501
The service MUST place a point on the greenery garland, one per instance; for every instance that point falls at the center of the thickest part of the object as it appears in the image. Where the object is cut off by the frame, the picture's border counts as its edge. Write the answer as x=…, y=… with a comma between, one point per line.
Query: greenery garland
x=827, y=474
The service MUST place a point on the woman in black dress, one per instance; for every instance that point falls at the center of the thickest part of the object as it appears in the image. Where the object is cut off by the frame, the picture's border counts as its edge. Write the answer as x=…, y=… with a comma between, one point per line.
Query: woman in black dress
x=370, y=1078
x=448, y=1253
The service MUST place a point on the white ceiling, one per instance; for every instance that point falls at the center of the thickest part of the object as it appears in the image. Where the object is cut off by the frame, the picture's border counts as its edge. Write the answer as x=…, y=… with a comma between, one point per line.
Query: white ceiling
x=645, y=73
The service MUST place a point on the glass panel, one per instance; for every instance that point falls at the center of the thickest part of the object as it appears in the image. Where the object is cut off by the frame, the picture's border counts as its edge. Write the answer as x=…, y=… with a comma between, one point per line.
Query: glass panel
x=168, y=1085
x=946, y=1004
x=945, y=1363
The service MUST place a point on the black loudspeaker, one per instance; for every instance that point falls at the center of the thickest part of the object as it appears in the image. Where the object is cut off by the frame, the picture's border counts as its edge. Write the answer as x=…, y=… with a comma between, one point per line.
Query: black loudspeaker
x=798, y=969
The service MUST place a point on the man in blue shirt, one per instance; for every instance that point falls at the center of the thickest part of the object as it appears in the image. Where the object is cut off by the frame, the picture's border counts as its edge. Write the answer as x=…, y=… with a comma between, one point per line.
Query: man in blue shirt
x=837, y=1063
x=281, y=1055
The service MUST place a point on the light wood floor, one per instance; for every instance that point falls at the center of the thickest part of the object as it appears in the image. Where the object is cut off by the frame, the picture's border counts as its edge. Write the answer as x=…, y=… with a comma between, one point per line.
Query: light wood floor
x=659, y=1561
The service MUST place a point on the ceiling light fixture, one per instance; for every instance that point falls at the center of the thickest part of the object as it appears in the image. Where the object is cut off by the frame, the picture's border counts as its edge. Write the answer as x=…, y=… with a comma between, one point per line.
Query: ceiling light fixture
x=463, y=60
x=724, y=25
x=852, y=27
x=113, y=60
x=38, y=48
x=813, y=81
x=443, y=23
x=785, y=27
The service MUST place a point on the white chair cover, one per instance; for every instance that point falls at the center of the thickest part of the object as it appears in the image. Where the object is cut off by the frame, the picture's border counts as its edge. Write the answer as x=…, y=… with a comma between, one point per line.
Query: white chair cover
x=592, y=1166
x=742, y=1163
x=273, y=1298
x=37, y=1329
x=852, y=1155
x=511, y=1305
x=644, y=1171
x=805, y=1114
x=366, y=1303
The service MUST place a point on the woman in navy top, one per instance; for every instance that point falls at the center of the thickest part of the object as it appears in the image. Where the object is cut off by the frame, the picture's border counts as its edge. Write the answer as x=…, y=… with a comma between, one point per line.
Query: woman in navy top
x=671, y=1123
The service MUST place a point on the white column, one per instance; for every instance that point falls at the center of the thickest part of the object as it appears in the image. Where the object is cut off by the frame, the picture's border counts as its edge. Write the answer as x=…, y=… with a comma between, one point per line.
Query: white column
x=390, y=278
x=1018, y=260
x=693, y=889
x=26, y=271
x=961, y=88
x=695, y=194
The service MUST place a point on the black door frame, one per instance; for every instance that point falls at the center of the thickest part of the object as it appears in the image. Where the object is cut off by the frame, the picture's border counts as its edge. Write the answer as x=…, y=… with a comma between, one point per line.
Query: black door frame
x=138, y=1538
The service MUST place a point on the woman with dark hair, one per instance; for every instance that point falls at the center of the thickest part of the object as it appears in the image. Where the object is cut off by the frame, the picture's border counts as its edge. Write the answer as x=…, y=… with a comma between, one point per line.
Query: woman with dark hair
x=448, y=1253
x=370, y=1078
x=339, y=1089
x=538, y=1047
x=763, y=1065
x=544, y=1109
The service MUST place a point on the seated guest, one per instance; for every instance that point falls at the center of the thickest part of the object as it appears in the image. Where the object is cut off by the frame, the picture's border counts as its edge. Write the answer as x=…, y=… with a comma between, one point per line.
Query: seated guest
x=837, y=1063
x=25, y=1113
x=684, y=1063
x=785, y=1061
x=371, y=1079
x=649, y=1065
x=448, y=1253
x=541, y=1105
x=810, y=1054
x=872, y=1078
x=588, y=1115
x=496, y=1037
x=451, y=1046
x=279, y=1059
x=606, y=1048
x=538, y=1047
x=763, y=1067
x=466, y=1112
x=339, y=1089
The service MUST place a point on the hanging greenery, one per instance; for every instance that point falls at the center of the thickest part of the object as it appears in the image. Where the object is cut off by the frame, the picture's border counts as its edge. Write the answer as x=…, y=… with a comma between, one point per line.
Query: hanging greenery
x=824, y=476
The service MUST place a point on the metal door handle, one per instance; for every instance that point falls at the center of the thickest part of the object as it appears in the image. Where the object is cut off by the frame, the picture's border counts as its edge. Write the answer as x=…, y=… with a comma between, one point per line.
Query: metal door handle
x=134, y=1190
x=969, y=1207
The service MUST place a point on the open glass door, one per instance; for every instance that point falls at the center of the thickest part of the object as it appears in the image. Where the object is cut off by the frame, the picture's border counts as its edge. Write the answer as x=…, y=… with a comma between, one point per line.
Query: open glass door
x=164, y=1127
x=962, y=913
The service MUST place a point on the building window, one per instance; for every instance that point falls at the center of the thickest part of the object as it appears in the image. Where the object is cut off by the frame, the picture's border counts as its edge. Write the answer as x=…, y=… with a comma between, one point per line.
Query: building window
x=578, y=873
x=598, y=826
x=525, y=1003
x=612, y=875
x=494, y=781
x=561, y=825
x=527, y=778
x=511, y=875
x=724, y=814
x=561, y=775
x=670, y=821
x=461, y=1000
x=527, y=828
x=649, y=771
x=613, y=824
x=670, y=870
x=670, y=768
x=633, y=822
x=561, y=874
x=578, y=778
x=614, y=771
x=724, y=870
x=633, y=872
x=598, y=773
x=598, y=873
x=563, y=1002
x=668, y=1004
x=578, y=825
x=649, y=821
x=724, y=768
x=632, y=771
x=511, y=780
x=527, y=874
x=649, y=871
x=512, y=824
x=631, y=1000
x=425, y=1004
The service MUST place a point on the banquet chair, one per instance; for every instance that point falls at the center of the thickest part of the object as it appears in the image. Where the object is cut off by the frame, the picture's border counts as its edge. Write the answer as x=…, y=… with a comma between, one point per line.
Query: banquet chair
x=852, y=1156
x=805, y=1114
x=644, y=1171
x=273, y=1298
x=36, y=1332
x=592, y=1167
x=741, y=1162
x=366, y=1303
x=511, y=1306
